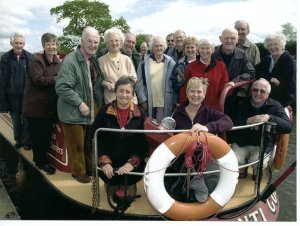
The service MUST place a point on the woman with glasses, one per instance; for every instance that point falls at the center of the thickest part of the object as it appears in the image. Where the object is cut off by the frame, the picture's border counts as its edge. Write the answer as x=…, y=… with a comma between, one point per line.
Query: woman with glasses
x=279, y=68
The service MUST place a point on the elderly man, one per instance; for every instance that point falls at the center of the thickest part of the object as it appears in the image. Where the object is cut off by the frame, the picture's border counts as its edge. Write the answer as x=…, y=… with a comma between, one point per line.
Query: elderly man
x=13, y=74
x=170, y=42
x=78, y=86
x=177, y=52
x=237, y=63
x=128, y=49
x=255, y=109
x=250, y=48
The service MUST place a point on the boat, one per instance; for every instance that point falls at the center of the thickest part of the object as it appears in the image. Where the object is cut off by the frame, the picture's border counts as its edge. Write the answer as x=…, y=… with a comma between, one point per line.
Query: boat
x=249, y=201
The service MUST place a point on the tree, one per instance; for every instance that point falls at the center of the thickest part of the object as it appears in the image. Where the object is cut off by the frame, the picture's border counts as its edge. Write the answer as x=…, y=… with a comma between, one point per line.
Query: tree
x=83, y=13
x=289, y=31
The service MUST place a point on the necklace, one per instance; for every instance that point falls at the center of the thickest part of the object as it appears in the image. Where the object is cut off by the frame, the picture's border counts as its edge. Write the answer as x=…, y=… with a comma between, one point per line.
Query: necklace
x=122, y=116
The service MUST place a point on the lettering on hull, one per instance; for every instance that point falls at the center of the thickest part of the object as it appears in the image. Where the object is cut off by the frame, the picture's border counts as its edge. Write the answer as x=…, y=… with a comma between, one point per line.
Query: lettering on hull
x=263, y=211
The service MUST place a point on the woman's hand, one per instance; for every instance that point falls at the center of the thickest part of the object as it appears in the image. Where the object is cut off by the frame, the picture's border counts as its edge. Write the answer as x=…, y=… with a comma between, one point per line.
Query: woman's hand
x=108, y=171
x=108, y=85
x=198, y=127
x=125, y=169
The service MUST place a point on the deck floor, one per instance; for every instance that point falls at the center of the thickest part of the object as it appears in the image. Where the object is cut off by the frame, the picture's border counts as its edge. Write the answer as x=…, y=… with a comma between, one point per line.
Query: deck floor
x=82, y=193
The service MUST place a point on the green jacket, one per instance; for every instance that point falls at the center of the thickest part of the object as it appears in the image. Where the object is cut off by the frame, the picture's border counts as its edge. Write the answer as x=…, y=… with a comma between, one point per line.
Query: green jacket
x=73, y=86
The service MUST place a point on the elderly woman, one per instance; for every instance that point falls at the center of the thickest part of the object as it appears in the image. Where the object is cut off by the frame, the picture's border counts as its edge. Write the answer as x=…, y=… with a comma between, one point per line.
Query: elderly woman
x=122, y=151
x=279, y=68
x=154, y=88
x=207, y=66
x=195, y=115
x=190, y=48
x=40, y=100
x=113, y=65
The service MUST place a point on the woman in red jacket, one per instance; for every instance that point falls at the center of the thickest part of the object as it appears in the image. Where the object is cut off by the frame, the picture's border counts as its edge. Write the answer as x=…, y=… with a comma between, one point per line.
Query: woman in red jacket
x=206, y=66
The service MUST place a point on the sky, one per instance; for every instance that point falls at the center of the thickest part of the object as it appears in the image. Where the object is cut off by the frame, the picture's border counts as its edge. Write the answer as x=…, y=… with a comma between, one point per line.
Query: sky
x=199, y=18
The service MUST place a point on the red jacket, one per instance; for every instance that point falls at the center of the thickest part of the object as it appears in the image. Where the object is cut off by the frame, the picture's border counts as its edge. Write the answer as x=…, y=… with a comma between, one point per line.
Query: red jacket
x=217, y=75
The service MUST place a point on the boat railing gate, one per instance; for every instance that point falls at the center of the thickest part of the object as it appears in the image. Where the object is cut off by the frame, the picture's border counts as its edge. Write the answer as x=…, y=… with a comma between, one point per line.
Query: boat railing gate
x=266, y=127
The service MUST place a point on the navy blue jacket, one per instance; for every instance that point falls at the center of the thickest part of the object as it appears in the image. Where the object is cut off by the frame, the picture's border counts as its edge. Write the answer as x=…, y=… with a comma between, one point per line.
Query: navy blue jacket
x=285, y=71
x=13, y=75
x=252, y=136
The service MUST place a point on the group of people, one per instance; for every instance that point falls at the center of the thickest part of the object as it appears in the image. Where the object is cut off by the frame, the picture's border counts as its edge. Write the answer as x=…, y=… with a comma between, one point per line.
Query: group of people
x=117, y=87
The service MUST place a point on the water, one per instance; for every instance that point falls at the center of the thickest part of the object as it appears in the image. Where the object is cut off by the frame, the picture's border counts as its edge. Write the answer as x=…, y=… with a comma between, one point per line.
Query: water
x=35, y=201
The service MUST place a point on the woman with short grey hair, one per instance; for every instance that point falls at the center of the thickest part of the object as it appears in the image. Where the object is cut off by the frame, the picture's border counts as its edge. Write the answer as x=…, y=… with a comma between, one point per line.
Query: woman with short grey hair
x=279, y=68
x=114, y=64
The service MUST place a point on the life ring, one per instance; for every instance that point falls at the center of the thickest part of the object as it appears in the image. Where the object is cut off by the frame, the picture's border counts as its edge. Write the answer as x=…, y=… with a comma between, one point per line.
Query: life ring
x=160, y=160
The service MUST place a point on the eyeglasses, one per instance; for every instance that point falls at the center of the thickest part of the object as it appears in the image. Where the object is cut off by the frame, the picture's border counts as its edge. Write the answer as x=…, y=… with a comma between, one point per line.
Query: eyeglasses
x=262, y=91
x=170, y=40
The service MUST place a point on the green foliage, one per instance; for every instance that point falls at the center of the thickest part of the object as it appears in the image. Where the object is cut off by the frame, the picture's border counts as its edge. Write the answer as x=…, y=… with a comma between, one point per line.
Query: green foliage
x=289, y=31
x=83, y=13
x=140, y=38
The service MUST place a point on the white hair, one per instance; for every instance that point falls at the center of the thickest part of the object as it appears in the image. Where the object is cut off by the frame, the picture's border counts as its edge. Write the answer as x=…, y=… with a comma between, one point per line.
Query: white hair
x=89, y=30
x=113, y=30
x=156, y=39
x=276, y=36
x=16, y=35
x=264, y=81
x=206, y=42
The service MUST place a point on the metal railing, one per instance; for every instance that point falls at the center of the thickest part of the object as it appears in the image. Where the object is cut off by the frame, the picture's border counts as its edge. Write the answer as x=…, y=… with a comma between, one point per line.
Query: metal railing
x=259, y=161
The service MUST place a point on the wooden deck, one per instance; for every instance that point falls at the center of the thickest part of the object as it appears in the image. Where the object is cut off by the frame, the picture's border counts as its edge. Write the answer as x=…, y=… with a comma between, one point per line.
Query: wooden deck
x=82, y=193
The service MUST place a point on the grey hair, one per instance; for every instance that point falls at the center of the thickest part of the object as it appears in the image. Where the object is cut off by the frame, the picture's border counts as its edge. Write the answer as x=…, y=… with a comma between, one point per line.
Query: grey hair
x=206, y=42
x=242, y=22
x=16, y=35
x=276, y=36
x=266, y=82
x=89, y=30
x=113, y=30
x=154, y=40
x=178, y=32
x=232, y=30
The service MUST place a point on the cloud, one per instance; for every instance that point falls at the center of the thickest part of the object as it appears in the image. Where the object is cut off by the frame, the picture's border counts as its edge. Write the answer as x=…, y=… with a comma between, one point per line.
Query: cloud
x=31, y=18
x=199, y=18
x=205, y=20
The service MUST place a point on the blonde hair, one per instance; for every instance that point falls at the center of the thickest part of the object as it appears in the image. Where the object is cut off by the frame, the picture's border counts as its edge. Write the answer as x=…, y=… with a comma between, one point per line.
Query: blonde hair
x=196, y=82
x=191, y=41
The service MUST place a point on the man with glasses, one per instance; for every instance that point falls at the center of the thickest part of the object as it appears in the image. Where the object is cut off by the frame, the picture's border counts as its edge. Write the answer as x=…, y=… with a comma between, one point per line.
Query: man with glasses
x=255, y=109
x=170, y=42
x=177, y=52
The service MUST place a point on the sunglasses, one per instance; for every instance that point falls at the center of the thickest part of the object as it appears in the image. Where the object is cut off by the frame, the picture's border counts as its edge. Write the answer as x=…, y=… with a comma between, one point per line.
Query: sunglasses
x=170, y=40
x=262, y=91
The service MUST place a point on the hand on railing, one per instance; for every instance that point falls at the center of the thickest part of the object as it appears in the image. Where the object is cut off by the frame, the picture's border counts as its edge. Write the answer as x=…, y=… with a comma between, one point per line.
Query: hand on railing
x=108, y=171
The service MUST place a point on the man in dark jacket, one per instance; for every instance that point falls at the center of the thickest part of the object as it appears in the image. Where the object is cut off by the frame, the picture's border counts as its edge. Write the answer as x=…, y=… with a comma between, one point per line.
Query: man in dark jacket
x=238, y=66
x=255, y=109
x=13, y=74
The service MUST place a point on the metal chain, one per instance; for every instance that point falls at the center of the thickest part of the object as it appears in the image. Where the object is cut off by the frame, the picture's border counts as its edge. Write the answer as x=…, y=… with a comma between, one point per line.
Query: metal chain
x=94, y=186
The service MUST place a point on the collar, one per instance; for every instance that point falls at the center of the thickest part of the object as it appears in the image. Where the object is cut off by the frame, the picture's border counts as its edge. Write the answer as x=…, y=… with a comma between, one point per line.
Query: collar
x=133, y=109
x=154, y=59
